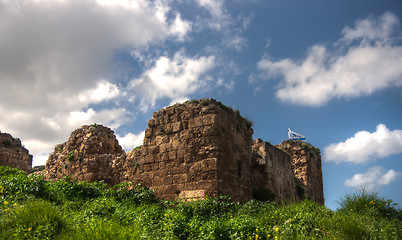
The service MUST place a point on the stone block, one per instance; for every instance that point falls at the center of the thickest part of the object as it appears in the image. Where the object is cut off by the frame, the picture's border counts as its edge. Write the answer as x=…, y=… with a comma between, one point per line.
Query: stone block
x=172, y=155
x=170, y=110
x=209, y=119
x=151, y=123
x=147, y=167
x=154, y=149
x=195, y=122
x=192, y=195
x=148, y=132
x=177, y=126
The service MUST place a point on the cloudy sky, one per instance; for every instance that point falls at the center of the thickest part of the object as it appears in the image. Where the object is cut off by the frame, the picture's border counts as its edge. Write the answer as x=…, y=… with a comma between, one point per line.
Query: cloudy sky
x=330, y=70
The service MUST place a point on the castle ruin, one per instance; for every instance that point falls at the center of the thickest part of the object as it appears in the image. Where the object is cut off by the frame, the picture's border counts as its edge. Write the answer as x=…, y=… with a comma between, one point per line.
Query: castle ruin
x=193, y=150
x=13, y=154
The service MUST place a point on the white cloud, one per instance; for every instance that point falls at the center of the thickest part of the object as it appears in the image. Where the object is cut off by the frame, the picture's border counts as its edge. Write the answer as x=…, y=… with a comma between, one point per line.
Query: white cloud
x=371, y=65
x=130, y=141
x=373, y=179
x=221, y=21
x=220, y=17
x=178, y=100
x=113, y=118
x=370, y=29
x=365, y=146
x=172, y=78
x=104, y=91
x=56, y=59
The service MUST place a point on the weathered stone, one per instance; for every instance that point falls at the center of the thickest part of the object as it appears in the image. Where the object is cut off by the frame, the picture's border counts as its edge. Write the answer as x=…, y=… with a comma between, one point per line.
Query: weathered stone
x=306, y=164
x=13, y=154
x=272, y=171
x=193, y=150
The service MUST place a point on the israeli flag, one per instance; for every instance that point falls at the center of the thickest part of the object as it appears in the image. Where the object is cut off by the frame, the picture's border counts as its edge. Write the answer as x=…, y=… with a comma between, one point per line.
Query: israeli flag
x=295, y=136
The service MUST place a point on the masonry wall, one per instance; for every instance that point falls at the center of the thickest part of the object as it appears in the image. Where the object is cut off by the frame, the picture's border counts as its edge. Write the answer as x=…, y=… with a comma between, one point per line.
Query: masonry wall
x=194, y=150
x=13, y=154
x=306, y=164
x=88, y=155
x=272, y=171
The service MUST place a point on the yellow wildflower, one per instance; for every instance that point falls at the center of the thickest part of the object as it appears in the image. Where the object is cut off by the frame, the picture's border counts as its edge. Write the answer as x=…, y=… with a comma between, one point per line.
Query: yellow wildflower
x=276, y=237
x=276, y=229
x=5, y=202
x=268, y=236
x=29, y=229
x=256, y=229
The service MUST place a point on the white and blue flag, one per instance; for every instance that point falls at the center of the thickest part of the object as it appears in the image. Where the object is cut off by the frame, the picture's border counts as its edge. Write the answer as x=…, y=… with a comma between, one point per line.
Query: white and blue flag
x=295, y=136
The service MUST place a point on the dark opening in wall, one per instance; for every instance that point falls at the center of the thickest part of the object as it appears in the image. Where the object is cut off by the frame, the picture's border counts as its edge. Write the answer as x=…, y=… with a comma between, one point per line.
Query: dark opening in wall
x=239, y=168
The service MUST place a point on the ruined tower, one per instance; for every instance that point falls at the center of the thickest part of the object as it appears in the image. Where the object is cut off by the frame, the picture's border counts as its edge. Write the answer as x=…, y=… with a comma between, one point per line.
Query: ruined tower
x=198, y=149
x=13, y=154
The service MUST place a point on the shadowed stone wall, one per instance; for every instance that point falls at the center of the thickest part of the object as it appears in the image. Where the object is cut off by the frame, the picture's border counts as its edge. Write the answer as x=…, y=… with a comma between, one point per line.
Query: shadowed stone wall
x=194, y=150
x=306, y=164
x=13, y=154
x=272, y=171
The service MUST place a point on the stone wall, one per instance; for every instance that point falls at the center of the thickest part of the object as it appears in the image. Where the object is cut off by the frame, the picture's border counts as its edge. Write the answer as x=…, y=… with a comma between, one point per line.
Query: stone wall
x=306, y=164
x=87, y=155
x=13, y=154
x=194, y=150
x=272, y=171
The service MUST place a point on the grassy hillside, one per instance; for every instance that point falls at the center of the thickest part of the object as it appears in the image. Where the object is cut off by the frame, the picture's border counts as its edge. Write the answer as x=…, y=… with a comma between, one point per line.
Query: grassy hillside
x=31, y=208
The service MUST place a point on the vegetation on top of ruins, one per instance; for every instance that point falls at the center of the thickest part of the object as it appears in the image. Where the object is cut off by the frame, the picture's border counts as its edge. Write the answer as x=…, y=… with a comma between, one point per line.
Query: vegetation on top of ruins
x=31, y=208
x=7, y=143
x=308, y=147
x=70, y=156
x=209, y=101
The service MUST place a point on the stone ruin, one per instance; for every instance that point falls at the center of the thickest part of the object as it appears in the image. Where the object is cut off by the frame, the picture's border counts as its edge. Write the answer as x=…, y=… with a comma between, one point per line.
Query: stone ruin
x=193, y=150
x=13, y=154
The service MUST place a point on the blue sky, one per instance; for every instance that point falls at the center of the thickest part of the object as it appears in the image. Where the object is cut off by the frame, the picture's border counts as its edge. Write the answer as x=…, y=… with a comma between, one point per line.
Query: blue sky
x=330, y=70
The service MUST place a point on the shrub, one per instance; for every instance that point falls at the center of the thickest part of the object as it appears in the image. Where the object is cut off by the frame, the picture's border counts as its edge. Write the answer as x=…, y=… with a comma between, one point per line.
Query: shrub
x=34, y=220
x=31, y=208
x=369, y=203
x=131, y=193
x=7, y=143
x=249, y=123
x=70, y=156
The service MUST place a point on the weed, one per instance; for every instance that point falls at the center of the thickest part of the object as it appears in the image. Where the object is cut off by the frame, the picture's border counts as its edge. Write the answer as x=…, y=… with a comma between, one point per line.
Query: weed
x=249, y=123
x=205, y=102
x=7, y=143
x=70, y=156
x=31, y=208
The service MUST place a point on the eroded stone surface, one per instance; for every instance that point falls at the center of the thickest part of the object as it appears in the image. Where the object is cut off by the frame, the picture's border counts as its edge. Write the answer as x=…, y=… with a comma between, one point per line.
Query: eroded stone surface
x=196, y=146
x=306, y=164
x=272, y=170
x=87, y=155
x=13, y=154
x=191, y=151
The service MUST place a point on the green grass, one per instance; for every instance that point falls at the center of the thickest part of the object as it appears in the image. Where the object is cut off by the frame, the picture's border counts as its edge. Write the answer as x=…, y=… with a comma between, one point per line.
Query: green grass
x=31, y=208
